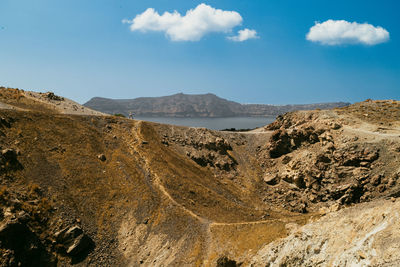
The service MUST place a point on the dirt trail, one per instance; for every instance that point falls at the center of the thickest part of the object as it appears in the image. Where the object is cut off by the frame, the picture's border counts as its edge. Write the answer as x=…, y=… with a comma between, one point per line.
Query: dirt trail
x=374, y=133
x=6, y=106
x=44, y=102
x=165, y=193
x=158, y=195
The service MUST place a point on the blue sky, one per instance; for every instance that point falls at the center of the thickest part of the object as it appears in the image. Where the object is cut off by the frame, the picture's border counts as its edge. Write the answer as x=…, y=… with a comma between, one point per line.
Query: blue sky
x=81, y=49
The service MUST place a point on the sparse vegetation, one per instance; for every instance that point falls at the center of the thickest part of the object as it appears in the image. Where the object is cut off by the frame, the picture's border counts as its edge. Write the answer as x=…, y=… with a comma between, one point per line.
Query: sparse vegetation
x=169, y=195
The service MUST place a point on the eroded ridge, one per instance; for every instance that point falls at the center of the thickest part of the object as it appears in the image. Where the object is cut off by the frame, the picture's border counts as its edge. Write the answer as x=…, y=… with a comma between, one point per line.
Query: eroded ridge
x=108, y=191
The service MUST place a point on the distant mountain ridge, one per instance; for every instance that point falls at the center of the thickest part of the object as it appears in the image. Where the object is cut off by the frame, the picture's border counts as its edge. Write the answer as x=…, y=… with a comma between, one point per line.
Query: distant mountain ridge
x=204, y=105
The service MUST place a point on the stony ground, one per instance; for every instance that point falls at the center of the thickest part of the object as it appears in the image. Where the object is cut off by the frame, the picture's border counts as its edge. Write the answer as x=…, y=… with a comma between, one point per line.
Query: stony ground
x=45, y=102
x=107, y=191
x=365, y=235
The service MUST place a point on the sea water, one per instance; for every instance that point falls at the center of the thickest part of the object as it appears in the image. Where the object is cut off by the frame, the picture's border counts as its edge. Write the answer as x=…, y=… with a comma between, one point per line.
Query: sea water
x=214, y=123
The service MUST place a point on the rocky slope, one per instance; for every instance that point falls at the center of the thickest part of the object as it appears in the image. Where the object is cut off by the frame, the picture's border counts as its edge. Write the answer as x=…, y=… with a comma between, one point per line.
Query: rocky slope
x=365, y=235
x=315, y=188
x=207, y=105
x=41, y=102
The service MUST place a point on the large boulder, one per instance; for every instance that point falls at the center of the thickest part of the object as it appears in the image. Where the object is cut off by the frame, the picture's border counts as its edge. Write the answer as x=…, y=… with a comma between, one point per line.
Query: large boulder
x=285, y=141
x=8, y=160
x=23, y=245
x=73, y=240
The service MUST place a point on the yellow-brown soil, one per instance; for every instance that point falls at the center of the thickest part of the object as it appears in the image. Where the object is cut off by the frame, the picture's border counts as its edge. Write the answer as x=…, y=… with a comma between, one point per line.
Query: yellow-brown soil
x=167, y=195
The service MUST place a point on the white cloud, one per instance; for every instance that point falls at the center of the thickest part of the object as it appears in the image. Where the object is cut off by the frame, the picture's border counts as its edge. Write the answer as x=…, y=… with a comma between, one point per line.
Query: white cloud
x=244, y=35
x=336, y=32
x=192, y=26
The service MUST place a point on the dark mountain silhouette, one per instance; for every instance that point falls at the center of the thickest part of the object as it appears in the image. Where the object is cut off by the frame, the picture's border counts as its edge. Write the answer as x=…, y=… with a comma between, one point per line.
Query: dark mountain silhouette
x=206, y=105
x=81, y=188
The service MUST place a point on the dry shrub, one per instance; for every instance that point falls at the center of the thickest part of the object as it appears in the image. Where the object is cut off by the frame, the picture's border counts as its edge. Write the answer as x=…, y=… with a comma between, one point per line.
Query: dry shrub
x=3, y=193
x=34, y=190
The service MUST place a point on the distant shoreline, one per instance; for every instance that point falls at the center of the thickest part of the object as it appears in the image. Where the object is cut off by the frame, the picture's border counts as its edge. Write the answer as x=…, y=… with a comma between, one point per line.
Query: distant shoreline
x=197, y=106
x=222, y=123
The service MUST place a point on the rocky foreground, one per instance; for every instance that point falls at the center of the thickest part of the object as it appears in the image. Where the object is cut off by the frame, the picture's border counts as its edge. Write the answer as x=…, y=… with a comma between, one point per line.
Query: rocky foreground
x=314, y=188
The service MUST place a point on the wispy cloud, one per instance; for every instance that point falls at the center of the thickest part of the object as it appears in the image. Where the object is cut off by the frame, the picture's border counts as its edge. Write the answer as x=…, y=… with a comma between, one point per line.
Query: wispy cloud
x=192, y=26
x=244, y=35
x=337, y=32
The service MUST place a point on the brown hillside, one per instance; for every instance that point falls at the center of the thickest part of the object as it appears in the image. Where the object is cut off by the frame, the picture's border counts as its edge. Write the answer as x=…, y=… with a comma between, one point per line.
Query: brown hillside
x=158, y=195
